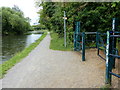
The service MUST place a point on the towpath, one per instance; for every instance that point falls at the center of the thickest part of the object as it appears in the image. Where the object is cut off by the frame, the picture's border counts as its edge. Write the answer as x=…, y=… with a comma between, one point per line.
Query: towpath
x=45, y=68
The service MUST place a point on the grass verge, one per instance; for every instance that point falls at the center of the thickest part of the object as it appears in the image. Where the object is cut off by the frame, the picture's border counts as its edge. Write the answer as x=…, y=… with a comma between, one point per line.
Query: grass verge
x=106, y=87
x=58, y=43
x=19, y=56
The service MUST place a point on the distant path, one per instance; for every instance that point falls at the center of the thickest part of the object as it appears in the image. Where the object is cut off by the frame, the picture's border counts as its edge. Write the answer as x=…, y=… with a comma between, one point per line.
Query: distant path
x=45, y=68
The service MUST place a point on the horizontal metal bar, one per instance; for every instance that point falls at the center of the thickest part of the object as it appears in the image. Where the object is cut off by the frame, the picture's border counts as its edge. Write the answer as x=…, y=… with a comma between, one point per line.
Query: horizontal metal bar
x=102, y=33
x=90, y=32
x=78, y=34
x=101, y=57
x=114, y=35
x=114, y=74
x=90, y=40
x=116, y=56
x=116, y=32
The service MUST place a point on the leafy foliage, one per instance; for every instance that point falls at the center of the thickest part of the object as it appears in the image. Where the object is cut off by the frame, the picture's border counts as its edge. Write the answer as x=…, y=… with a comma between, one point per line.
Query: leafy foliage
x=94, y=16
x=13, y=21
x=39, y=27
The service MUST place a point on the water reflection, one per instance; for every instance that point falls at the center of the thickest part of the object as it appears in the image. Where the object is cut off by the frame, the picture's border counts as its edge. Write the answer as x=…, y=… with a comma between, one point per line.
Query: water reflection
x=31, y=38
x=13, y=44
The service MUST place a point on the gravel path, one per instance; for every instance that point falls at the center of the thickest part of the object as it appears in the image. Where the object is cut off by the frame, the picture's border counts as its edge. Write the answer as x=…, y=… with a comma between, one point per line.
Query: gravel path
x=45, y=68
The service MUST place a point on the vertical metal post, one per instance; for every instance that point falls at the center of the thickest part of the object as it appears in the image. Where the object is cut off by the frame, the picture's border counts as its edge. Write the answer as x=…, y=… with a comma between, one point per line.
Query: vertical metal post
x=75, y=41
x=78, y=35
x=115, y=24
x=118, y=62
x=97, y=43
x=75, y=37
x=79, y=27
x=97, y=40
x=108, y=60
x=114, y=28
x=64, y=29
x=119, y=46
x=83, y=46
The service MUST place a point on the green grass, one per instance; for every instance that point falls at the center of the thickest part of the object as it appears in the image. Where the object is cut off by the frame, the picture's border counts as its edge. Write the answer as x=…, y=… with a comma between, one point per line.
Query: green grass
x=106, y=87
x=19, y=56
x=58, y=43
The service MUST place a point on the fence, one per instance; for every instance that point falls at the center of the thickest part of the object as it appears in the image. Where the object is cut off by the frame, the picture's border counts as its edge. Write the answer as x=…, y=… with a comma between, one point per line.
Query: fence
x=111, y=54
x=108, y=45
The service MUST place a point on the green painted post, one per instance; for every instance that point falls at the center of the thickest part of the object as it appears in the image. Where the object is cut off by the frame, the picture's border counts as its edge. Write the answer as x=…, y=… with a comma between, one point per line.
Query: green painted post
x=118, y=45
x=83, y=46
x=114, y=28
x=74, y=41
x=78, y=27
x=113, y=45
x=97, y=39
x=97, y=42
x=77, y=32
x=77, y=36
x=115, y=24
x=108, y=60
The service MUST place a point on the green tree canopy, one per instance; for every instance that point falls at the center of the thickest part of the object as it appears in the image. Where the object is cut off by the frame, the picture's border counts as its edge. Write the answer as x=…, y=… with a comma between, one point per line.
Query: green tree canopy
x=94, y=16
x=13, y=21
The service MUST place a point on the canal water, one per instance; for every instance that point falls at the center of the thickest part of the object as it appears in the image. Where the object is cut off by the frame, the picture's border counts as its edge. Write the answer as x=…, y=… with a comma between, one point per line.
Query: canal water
x=16, y=43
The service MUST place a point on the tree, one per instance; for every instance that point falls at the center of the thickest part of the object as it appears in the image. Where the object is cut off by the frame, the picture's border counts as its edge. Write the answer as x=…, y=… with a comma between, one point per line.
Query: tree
x=13, y=21
x=94, y=16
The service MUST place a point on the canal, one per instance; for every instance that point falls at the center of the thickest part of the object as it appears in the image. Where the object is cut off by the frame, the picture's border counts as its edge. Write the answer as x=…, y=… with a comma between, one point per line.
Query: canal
x=16, y=43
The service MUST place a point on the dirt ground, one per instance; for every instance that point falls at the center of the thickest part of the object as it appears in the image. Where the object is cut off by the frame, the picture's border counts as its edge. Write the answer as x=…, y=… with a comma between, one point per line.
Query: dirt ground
x=115, y=80
x=45, y=68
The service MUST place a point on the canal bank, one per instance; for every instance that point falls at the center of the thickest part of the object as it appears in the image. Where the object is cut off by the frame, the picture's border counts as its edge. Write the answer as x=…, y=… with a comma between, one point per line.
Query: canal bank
x=19, y=56
x=12, y=44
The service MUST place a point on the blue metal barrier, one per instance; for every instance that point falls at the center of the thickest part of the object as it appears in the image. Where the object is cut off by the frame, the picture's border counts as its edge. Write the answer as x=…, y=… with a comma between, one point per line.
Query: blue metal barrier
x=110, y=56
x=109, y=47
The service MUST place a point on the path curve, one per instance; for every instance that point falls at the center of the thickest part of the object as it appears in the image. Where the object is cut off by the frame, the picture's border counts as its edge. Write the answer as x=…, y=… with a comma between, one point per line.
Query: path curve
x=45, y=68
